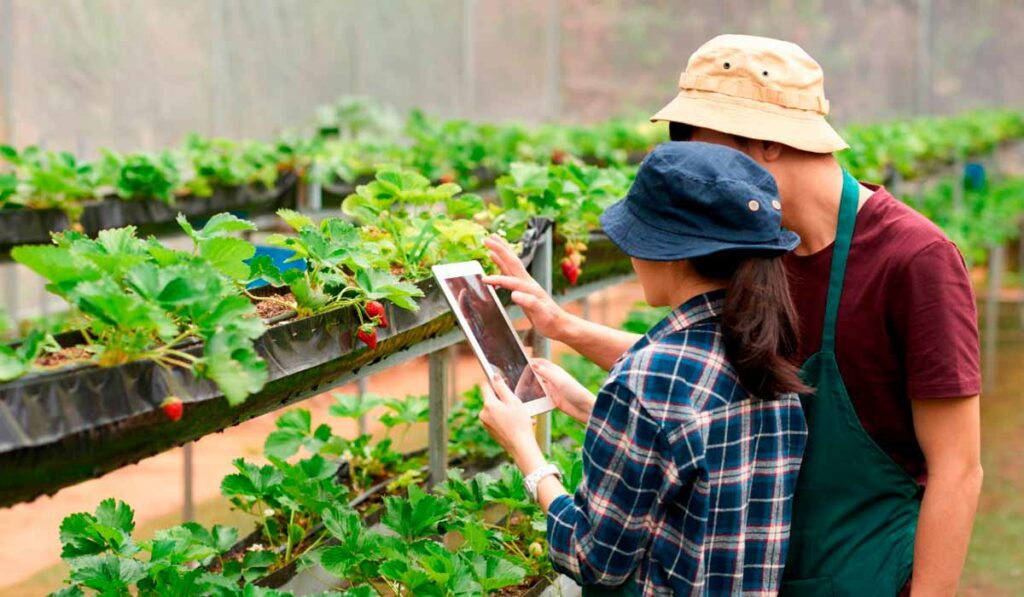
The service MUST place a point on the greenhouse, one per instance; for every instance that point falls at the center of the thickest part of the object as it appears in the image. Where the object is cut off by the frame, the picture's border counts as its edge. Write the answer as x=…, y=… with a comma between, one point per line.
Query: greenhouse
x=551, y=297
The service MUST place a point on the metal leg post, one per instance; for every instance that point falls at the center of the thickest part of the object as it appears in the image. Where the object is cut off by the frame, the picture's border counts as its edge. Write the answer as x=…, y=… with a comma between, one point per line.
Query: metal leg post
x=188, y=510
x=361, y=385
x=437, y=434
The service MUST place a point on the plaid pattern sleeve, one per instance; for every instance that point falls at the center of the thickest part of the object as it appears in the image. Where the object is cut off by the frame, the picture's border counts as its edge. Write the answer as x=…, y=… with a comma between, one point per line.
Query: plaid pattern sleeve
x=687, y=478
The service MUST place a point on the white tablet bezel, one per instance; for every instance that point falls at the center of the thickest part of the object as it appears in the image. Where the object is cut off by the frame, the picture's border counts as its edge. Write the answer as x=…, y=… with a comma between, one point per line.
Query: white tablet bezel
x=469, y=268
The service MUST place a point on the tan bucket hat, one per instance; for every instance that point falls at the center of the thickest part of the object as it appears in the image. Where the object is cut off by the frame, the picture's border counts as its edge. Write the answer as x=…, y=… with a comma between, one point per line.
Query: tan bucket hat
x=755, y=87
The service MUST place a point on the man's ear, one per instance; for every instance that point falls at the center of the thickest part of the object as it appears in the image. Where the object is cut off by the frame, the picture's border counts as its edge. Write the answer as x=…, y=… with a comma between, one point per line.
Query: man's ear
x=771, y=151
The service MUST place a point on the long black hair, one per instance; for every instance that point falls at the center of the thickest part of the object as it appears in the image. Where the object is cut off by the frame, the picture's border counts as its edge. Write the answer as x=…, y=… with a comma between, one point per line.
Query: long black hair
x=759, y=323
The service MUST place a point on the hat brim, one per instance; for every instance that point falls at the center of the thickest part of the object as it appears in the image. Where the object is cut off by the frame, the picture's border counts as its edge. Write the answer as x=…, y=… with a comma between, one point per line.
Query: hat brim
x=636, y=238
x=802, y=129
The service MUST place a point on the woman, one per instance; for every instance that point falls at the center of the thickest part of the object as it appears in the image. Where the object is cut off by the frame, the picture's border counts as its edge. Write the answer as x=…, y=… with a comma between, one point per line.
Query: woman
x=694, y=443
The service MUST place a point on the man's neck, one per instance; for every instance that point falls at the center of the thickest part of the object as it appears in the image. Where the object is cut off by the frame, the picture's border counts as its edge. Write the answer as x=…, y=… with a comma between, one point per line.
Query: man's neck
x=812, y=207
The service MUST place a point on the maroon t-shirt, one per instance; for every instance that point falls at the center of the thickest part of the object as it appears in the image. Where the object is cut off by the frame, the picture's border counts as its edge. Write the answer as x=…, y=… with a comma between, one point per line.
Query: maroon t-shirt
x=907, y=325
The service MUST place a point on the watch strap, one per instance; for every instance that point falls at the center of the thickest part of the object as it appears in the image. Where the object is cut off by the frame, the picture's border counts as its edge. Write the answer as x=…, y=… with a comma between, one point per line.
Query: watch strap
x=532, y=480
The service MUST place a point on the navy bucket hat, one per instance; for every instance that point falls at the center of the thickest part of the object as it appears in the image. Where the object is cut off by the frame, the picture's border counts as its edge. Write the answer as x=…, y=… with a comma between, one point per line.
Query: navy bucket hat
x=692, y=199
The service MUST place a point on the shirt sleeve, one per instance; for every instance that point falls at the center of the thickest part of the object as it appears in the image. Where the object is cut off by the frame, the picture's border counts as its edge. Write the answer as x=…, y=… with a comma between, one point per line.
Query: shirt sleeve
x=936, y=318
x=598, y=536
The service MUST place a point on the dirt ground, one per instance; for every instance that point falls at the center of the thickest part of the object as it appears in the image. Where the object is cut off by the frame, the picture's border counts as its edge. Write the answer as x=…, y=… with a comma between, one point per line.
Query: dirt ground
x=29, y=543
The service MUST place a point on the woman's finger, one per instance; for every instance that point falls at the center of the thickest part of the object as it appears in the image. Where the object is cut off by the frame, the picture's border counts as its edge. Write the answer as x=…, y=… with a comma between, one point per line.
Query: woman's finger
x=510, y=283
x=504, y=393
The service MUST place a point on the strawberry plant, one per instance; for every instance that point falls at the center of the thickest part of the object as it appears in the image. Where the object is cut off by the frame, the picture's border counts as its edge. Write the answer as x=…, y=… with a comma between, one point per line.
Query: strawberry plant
x=142, y=300
x=346, y=267
x=414, y=220
x=47, y=180
x=573, y=195
x=140, y=175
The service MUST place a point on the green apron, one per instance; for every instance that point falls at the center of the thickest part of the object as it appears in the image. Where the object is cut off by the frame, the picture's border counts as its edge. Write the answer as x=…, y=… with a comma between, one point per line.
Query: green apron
x=854, y=510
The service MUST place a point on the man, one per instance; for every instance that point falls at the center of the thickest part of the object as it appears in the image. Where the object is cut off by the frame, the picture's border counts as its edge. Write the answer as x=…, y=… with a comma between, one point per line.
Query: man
x=891, y=476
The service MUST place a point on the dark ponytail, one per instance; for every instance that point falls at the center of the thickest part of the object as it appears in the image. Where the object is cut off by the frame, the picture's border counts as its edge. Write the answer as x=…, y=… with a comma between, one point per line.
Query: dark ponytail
x=759, y=322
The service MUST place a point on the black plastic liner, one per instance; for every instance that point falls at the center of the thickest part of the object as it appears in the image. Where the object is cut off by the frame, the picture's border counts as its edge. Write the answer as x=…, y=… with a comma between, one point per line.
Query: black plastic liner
x=62, y=427
x=151, y=216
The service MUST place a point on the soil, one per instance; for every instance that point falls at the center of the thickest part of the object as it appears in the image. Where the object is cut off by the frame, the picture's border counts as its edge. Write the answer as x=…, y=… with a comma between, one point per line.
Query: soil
x=63, y=356
x=270, y=309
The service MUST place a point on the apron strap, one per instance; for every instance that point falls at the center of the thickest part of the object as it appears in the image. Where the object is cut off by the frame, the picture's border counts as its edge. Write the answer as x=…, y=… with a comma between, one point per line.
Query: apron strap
x=840, y=253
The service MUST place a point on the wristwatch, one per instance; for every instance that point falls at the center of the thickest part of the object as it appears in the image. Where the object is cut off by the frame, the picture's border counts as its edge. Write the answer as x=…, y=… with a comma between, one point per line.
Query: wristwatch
x=533, y=479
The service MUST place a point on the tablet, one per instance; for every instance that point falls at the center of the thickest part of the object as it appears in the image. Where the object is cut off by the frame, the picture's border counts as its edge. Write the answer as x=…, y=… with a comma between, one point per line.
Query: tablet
x=490, y=332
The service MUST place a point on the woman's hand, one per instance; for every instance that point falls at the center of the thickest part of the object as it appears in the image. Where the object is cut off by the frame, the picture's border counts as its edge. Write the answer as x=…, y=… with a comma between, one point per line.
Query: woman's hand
x=568, y=394
x=543, y=312
x=506, y=419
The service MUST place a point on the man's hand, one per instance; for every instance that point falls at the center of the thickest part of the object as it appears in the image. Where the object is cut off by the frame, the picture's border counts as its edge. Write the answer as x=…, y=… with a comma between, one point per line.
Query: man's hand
x=949, y=431
x=547, y=317
x=568, y=394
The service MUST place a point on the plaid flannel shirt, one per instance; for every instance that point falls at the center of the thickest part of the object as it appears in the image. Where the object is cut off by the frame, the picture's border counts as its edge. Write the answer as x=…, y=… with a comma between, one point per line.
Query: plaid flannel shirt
x=687, y=479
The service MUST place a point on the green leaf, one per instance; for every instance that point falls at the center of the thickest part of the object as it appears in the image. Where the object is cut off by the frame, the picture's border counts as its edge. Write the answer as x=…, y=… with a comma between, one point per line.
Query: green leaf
x=107, y=574
x=16, y=362
x=222, y=224
x=53, y=263
x=493, y=572
x=416, y=517
x=352, y=406
x=228, y=255
x=230, y=360
x=257, y=563
x=298, y=419
x=262, y=268
x=282, y=443
x=295, y=219
x=116, y=514
x=224, y=537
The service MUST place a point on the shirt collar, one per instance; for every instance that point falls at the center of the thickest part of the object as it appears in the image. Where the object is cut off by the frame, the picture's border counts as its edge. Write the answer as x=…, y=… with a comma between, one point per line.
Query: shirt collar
x=698, y=309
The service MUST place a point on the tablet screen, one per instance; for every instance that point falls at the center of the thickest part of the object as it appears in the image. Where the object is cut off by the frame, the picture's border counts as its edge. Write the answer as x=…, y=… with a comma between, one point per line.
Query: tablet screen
x=494, y=336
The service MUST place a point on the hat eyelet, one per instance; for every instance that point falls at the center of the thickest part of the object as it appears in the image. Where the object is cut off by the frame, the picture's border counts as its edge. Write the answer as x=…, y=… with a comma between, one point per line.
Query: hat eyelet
x=753, y=205
x=726, y=66
x=765, y=73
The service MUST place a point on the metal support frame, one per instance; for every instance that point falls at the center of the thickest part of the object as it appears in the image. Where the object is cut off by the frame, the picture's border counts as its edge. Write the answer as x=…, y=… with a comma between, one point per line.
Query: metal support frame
x=437, y=433
x=468, y=51
x=361, y=387
x=553, y=62
x=188, y=510
x=541, y=271
x=6, y=70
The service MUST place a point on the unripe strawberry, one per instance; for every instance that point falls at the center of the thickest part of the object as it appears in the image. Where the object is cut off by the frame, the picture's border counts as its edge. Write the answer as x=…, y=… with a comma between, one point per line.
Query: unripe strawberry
x=173, y=407
x=536, y=550
x=558, y=156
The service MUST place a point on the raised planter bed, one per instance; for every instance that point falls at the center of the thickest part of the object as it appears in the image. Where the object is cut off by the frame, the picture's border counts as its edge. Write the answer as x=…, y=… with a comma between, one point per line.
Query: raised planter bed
x=150, y=216
x=61, y=427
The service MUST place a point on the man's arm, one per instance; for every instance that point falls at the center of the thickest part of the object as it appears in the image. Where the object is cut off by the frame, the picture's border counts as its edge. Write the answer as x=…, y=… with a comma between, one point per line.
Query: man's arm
x=949, y=432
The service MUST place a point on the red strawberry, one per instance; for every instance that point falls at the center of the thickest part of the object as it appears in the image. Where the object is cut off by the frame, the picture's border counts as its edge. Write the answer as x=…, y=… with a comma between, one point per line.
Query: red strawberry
x=447, y=177
x=368, y=336
x=173, y=407
x=558, y=156
x=570, y=270
x=375, y=309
